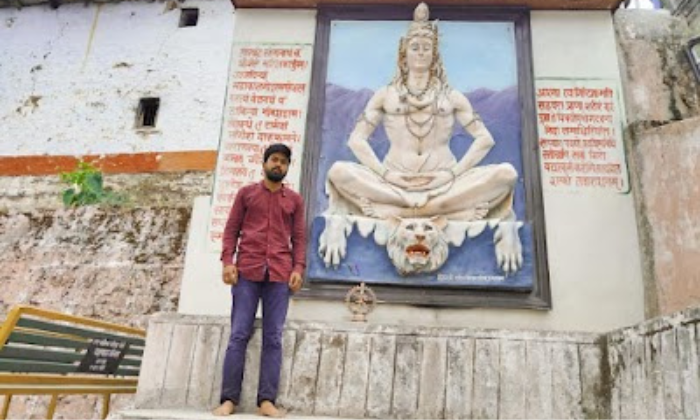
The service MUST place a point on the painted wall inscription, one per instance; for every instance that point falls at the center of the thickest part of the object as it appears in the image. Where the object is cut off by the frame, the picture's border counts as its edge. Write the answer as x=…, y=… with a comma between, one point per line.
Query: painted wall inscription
x=266, y=103
x=580, y=136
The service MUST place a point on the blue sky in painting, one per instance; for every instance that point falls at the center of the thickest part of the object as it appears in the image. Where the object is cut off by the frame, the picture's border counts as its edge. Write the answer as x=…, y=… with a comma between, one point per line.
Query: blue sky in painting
x=476, y=54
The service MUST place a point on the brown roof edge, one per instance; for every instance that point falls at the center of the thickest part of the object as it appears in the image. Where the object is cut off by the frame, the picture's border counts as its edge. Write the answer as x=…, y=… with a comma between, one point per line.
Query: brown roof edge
x=533, y=4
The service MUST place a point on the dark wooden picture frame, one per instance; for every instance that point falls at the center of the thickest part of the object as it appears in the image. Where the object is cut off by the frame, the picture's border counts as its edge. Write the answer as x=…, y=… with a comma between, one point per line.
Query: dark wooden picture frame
x=539, y=296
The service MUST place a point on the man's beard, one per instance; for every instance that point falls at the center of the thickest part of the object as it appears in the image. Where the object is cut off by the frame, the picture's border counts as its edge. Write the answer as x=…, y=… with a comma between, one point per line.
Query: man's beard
x=274, y=176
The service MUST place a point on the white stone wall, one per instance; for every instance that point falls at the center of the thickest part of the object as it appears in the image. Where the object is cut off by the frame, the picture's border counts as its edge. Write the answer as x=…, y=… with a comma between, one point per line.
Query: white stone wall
x=71, y=78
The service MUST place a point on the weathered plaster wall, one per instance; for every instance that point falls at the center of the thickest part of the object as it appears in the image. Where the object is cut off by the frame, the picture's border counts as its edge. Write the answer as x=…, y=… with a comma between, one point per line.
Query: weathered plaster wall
x=686, y=9
x=667, y=168
x=658, y=81
x=71, y=78
x=114, y=265
x=663, y=103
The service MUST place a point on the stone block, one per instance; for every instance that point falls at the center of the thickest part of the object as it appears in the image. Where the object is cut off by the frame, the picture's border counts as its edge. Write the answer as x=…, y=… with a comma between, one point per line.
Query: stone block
x=539, y=394
x=406, y=378
x=566, y=374
x=433, y=378
x=486, y=379
x=513, y=380
x=330, y=374
x=460, y=378
x=204, y=364
x=302, y=395
x=179, y=366
x=353, y=395
x=381, y=376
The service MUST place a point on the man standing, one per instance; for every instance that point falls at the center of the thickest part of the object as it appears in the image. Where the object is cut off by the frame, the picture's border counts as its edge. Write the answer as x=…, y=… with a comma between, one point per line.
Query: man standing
x=266, y=232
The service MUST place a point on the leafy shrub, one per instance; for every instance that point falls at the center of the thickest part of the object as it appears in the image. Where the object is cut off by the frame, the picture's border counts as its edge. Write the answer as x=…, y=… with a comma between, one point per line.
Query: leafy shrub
x=86, y=188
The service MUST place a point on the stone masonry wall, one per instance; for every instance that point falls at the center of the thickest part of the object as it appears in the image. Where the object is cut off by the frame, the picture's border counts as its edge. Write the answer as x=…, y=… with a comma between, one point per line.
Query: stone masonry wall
x=117, y=265
x=654, y=368
x=174, y=190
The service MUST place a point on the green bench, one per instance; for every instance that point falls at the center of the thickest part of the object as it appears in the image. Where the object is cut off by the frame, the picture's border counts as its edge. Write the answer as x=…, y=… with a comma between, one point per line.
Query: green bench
x=50, y=353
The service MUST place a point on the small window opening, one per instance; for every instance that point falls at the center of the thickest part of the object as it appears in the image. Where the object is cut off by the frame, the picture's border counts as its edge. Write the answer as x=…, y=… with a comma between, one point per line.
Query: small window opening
x=148, y=112
x=189, y=17
x=693, y=51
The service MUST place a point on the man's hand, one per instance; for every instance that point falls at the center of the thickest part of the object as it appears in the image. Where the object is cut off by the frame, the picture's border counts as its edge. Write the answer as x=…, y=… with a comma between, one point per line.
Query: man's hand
x=433, y=180
x=404, y=180
x=295, y=282
x=230, y=276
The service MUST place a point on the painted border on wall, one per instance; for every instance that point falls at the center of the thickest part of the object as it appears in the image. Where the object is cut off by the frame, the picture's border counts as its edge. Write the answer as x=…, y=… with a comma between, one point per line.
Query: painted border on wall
x=121, y=163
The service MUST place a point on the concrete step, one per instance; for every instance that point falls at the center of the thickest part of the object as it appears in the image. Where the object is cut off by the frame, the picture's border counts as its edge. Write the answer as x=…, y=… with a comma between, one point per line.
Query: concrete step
x=174, y=414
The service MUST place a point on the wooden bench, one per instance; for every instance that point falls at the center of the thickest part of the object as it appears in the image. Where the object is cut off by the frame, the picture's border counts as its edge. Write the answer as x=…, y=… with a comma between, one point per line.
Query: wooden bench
x=50, y=353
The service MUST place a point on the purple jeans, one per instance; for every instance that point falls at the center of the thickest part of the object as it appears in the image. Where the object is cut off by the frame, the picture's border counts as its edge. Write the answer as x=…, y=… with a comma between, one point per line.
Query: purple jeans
x=245, y=297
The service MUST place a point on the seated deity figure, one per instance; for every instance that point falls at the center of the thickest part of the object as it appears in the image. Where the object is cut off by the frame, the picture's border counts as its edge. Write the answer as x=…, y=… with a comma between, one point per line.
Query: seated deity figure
x=420, y=177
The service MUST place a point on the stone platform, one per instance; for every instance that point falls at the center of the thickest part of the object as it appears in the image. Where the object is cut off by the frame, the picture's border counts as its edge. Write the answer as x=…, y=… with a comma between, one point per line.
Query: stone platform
x=353, y=370
x=195, y=415
x=358, y=371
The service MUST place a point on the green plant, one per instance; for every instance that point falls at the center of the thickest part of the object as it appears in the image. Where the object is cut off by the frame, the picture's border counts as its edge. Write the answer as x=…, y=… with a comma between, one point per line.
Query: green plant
x=86, y=188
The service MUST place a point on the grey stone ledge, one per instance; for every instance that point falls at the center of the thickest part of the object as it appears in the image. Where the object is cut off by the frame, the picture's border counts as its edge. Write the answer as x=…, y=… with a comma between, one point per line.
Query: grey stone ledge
x=396, y=330
x=653, y=326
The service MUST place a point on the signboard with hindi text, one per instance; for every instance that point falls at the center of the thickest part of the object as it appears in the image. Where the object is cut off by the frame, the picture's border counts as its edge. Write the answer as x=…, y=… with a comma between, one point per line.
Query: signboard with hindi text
x=580, y=136
x=266, y=103
x=103, y=356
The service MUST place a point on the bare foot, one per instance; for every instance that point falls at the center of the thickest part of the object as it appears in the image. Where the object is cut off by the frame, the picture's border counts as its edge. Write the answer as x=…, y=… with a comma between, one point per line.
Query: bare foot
x=267, y=409
x=470, y=215
x=367, y=208
x=378, y=211
x=225, y=409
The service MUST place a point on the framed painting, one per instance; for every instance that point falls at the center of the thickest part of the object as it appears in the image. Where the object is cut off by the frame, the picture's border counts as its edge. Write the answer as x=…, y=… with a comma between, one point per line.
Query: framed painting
x=421, y=172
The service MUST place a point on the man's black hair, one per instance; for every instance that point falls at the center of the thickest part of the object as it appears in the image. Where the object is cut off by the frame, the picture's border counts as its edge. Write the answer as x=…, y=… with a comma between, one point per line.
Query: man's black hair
x=277, y=148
